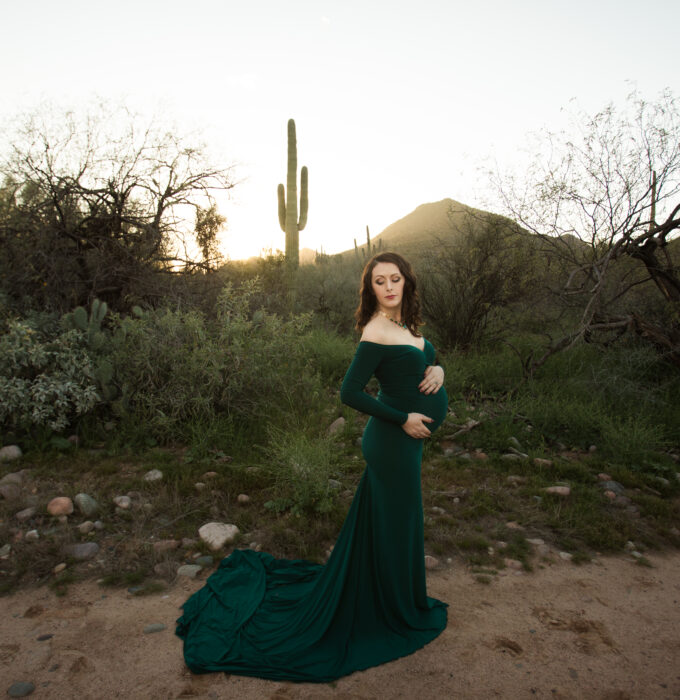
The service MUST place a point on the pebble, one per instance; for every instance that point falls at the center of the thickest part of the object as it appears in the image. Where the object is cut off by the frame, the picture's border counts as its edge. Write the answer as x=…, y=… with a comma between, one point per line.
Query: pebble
x=153, y=475
x=431, y=562
x=86, y=527
x=82, y=550
x=87, y=505
x=9, y=453
x=216, y=535
x=565, y=555
x=5, y=550
x=336, y=426
x=58, y=568
x=32, y=536
x=155, y=627
x=189, y=570
x=123, y=502
x=61, y=505
x=98, y=525
x=558, y=490
x=243, y=498
x=20, y=689
x=25, y=514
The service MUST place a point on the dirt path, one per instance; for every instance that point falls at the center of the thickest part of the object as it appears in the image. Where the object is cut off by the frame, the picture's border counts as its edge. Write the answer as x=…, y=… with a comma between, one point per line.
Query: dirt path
x=608, y=630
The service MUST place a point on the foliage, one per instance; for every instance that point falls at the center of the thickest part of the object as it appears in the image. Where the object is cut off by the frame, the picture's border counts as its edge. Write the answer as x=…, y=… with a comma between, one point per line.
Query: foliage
x=97, y=205
x=45, y=381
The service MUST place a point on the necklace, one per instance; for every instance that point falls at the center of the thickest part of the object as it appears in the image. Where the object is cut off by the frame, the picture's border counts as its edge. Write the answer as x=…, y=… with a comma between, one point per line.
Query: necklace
x=389, y=318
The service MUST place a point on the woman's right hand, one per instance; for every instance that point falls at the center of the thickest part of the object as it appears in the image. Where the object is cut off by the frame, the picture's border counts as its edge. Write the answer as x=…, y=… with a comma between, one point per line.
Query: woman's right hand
x=415, y=425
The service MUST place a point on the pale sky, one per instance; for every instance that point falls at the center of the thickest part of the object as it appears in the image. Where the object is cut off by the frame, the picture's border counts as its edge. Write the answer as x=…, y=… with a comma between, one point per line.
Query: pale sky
x=396, y=103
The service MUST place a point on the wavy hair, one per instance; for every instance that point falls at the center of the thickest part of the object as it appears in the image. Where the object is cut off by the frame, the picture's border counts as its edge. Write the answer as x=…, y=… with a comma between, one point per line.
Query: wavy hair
x=410, y=305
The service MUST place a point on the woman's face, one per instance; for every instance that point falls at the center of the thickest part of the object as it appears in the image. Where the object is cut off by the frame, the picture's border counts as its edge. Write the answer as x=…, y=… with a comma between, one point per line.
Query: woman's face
x=388, y=286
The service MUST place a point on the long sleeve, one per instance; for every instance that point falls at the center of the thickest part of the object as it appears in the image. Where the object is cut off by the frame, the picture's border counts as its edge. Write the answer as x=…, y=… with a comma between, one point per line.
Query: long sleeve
x=366, y=359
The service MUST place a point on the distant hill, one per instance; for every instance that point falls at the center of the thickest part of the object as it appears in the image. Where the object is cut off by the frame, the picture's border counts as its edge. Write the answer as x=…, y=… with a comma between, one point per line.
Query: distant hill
x=423, y=226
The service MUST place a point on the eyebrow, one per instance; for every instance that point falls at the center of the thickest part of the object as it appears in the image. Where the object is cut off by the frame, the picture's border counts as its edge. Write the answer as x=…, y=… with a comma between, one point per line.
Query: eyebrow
x=394, y=274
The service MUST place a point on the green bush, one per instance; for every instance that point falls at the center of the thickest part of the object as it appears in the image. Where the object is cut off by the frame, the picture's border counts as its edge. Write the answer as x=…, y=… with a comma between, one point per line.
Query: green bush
x=45, y=381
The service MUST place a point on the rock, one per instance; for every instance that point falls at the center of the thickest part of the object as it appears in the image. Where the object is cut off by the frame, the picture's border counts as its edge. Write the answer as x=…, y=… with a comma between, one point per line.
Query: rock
x=243, y=498
x=10, y=492
x=209, y=475
x=334, y=484
x=165, y=545
x=20, y=689
x=31, y=536
x=622, y=501
x=513, y=564
x=123, y=502
x=98, y=525
x=44, y=637
x=431, y=562
x=636, y=554
x=155, y=627
x=456, y=500
x=82, y=551
x=515, y=480
x=536, y=541
x=165, y=569
x=61, y=505
x=199, y=486
x=188, y=542
x=153, y=475
x=662, y=480
x=16, y=478
x=58, y=568
x=512, y=525
x=541, y=462
x=189, y=570
x=603, y=477
x=565, y=555
x=86, y=504
x=511, y=457
x=478, y=454
x=592, y=448
x=614, y=486
x=501, y=545
x=437, y=510
x=216, y=535
x=25, y=514
x=558, y=490
x=5, y=551
x=337, y=426
x=610, y=495
x=204, y=560
x=62, y=519
x=629, y=546
x=9, y=453
x=516, y=443
x=543, y=550
x=86, y=527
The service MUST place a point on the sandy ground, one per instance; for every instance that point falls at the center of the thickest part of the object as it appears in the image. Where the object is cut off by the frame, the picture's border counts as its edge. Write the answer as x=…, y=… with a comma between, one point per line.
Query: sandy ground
x=609, y=630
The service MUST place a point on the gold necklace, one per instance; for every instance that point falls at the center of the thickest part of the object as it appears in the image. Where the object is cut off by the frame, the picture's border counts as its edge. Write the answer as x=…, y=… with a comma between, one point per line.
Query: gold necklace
x=389, y=318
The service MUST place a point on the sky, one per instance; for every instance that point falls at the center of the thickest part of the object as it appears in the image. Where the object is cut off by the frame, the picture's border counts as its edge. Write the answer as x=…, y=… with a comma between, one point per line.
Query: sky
x=396, y=103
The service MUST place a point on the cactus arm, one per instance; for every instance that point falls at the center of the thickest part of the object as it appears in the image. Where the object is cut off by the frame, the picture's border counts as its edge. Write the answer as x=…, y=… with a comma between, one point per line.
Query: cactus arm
x=304, y=200
x=281, y=192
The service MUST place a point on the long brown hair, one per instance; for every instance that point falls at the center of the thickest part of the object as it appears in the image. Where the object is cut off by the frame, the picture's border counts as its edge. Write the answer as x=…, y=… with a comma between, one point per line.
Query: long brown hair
x=410, y=305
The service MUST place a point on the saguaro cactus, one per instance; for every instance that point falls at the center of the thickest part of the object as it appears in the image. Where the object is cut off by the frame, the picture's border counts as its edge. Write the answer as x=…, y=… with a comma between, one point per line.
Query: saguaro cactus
x=288, y=207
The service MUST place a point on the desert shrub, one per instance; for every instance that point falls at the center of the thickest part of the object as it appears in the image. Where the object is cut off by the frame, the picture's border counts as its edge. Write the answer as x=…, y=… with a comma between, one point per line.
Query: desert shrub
x=45, y=380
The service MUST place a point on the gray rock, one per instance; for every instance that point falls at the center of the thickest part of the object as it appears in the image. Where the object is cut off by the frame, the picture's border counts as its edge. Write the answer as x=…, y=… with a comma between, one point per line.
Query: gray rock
x=86, y=504
x=614, y=486
x=199, y=486
x=8, y=453
x=5, y=551
x=20, y=689
x=82, y=550
x=189, y=570
x=516, y=443
x=153, y=475
x=16, y=478
x=437, y=510
x=216, y=535
x=536, y=541
x=337, y=426
x=334, y=484
x=25, y=514
x=98, y=525
x=511, y=457
x=31, y=536
x=86, y=527
x=565, y=555
x=205, y=560
x=155, y=627
x=10, y=492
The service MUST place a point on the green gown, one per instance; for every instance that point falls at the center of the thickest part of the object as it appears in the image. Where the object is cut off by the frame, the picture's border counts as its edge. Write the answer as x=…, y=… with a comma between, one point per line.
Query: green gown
x=295, y=620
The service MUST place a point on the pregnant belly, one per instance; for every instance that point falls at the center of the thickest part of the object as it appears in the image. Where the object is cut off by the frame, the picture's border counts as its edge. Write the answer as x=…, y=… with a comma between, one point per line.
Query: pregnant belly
x=435, y=406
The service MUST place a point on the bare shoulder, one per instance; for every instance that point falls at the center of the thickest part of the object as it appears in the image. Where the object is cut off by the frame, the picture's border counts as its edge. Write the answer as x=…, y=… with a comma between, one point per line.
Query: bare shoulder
x=375, y=331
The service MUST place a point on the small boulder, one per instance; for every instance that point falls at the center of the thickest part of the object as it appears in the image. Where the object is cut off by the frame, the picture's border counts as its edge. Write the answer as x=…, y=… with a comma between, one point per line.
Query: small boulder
x=189, y=570
x=243, y=498
x=216, y=535
x=21, y=689
x=123, y=502
x=153, y=475
x=337, y=426
x=61, y=505
x=9, y=453
x=87, y=505
x=82, y=551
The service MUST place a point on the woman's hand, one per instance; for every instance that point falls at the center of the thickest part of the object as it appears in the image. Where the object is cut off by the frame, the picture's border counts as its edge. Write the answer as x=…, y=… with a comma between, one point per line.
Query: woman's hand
x=433, y=381
x=415, y=427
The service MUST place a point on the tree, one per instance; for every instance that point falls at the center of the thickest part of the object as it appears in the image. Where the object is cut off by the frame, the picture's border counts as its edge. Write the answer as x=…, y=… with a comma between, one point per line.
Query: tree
x=94, y=205
x=604, y=200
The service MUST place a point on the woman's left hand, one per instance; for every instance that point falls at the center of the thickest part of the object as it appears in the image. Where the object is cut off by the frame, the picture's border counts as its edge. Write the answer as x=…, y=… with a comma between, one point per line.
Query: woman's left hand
x=434, y=379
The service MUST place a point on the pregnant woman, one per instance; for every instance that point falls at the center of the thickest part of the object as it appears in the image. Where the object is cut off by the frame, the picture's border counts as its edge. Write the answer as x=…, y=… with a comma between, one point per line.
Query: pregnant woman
x=296, y=620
